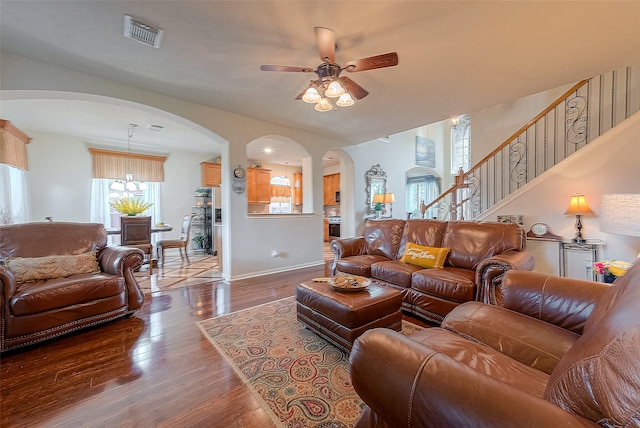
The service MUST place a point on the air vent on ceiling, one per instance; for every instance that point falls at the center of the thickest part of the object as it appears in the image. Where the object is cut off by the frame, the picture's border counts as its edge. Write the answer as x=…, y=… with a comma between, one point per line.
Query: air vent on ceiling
x=142, y=33
x=157, y=128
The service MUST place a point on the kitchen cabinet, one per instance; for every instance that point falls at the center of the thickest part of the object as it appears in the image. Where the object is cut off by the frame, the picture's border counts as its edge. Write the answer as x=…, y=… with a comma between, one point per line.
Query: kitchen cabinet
x=258, y=186
x=326, y=230
x=297, y=188
x=210, y=172
x=331, y=186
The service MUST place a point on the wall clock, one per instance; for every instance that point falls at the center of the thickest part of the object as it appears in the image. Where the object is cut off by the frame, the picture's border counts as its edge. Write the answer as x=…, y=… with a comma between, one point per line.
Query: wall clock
x=239, y=180
x=542, y=231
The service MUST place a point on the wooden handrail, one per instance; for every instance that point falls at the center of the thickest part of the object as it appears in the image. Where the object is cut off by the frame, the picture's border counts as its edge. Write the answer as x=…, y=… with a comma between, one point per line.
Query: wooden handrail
x=460, y=178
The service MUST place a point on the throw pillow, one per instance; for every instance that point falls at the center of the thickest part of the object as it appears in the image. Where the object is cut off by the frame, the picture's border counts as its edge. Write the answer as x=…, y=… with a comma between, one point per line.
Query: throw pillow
x=37, y=268
x=426, y=257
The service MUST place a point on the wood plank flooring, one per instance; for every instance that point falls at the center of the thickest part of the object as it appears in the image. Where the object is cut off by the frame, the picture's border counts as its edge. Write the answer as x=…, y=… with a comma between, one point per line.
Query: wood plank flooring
x=154, y=369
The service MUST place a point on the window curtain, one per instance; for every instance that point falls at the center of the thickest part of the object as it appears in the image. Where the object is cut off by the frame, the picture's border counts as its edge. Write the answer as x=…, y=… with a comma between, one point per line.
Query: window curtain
x=14, y=201
x=13, y=146
x=114, y=165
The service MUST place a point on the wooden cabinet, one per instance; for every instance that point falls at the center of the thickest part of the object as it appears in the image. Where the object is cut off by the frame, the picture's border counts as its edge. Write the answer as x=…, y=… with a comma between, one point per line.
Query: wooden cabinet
x=210, y=174
x=258, y=186
x=331, y=186
x=297, y=188
x=326, y=230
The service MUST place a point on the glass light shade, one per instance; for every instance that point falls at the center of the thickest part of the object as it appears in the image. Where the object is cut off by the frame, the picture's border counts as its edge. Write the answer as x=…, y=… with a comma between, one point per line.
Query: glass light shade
x=142, y=186
x=131, y=186
x=311, y=96
x=334, y=90
x=323, y=105
x=117, y=185
x=345, y=100
x=578, y=205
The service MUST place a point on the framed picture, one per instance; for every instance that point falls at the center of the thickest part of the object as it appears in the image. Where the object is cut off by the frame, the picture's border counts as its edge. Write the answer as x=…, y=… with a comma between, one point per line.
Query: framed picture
x=425, y=152
x=517, y=219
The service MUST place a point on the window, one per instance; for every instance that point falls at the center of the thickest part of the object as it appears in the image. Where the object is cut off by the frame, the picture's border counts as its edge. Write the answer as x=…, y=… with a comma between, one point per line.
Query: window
x=280, y=195
x=103, y=212
x=422, y=189
x=460, y=144
x=14, y=204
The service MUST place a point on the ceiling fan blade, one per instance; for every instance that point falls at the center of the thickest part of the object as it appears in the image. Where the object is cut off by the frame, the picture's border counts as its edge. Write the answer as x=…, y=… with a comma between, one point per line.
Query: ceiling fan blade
x=286, y=68
x=356, y=91
x=326, y=42
x=379, y=61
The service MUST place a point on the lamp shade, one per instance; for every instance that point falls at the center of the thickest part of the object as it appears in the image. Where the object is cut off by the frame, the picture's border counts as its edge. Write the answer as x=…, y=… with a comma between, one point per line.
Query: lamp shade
x=323, y=105
x=389, y=198
x=621, y=214
x=378, y=198
x=578, y=205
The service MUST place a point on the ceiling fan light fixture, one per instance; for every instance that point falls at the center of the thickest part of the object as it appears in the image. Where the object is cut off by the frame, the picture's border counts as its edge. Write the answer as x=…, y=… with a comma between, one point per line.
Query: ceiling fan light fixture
x=323, y=105
x=117, y=185
x=311, y=96
x=345, y=100
x=334, y=90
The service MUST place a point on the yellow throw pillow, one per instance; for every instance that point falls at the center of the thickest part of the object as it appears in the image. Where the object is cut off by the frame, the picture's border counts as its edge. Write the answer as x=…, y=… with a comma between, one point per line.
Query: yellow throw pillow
x=50, y=267
x=426, y=257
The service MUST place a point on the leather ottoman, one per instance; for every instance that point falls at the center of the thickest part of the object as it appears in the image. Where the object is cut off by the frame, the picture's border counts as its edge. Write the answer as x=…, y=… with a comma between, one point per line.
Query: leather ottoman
x=340, y=317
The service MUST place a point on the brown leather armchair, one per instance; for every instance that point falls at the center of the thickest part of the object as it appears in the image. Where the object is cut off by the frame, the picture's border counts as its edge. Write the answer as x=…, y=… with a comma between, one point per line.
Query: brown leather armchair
x=558, y=352
x=43, y=296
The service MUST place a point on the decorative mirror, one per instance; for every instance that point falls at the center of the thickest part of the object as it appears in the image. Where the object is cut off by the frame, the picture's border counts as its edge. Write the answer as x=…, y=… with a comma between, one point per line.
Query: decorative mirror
x=376, y=180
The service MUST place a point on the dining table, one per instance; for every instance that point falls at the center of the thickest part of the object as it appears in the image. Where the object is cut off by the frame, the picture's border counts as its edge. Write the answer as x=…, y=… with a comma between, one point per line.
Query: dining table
x=154, y=229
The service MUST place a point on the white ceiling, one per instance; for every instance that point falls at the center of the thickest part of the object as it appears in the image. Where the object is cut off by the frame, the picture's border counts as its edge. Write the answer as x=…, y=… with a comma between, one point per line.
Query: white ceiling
x=454, y=57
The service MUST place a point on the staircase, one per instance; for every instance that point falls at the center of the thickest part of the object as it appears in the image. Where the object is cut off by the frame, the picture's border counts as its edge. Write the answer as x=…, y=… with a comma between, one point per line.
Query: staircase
x=582, y=114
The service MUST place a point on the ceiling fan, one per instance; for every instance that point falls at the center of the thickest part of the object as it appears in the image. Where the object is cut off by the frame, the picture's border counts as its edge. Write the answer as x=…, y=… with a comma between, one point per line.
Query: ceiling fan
x=329, y=83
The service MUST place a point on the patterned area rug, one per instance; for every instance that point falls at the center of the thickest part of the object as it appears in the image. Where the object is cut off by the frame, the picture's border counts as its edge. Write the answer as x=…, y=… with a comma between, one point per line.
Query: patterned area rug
x=300, y=379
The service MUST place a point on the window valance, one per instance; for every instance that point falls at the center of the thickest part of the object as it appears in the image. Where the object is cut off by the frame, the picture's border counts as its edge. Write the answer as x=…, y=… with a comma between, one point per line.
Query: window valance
x=13, y=146
x=114, y=165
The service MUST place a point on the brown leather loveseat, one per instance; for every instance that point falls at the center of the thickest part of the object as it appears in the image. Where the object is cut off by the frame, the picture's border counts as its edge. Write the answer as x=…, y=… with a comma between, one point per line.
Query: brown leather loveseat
x=558, y=353
x=479, y=254
x=60, y=277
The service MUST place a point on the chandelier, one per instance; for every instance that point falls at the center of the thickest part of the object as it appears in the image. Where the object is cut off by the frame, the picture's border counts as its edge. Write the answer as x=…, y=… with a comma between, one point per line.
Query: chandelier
x=128, y=183
x=327, y=86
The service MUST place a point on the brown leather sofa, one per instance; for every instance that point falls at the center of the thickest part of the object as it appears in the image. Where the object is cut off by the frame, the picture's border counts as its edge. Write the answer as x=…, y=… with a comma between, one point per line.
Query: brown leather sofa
x=34, y=310
x=557, y=353
x=480, y=253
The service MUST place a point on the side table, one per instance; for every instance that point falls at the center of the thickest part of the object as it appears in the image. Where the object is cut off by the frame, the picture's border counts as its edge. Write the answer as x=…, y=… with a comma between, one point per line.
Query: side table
x=590, y=248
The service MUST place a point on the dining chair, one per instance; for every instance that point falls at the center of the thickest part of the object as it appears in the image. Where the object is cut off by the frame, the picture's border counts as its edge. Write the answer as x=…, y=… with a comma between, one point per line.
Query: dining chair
x=180, y=244
x=135, y=231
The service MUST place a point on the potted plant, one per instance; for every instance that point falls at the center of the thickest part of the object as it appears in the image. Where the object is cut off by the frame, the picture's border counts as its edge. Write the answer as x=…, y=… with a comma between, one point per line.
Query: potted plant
x=130, y=206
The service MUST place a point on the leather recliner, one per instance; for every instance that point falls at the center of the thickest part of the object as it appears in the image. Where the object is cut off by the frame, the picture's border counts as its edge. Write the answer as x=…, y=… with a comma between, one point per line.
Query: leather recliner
x=558, y=352
x=35, y=310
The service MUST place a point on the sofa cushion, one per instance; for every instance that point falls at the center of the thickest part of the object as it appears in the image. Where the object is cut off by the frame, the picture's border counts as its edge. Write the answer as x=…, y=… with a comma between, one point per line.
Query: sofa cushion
x=426, y=257
x=383, y=237
x=37, y=268
x=599, y=377
x=359, y=265
x=427, y=232
x=396, y=272
x=450, y=283
x=472, y=242
x=41, y=296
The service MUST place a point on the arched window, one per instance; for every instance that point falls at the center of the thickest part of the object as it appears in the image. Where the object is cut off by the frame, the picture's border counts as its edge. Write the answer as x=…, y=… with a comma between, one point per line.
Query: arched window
x=460, y=143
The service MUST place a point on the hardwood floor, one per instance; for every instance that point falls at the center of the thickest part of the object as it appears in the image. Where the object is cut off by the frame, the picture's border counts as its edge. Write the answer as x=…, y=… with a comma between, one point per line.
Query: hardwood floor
x=153, y=369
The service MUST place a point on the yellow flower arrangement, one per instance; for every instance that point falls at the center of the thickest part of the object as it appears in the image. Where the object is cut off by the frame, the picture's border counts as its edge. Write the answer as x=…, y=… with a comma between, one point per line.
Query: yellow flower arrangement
x=130, y=206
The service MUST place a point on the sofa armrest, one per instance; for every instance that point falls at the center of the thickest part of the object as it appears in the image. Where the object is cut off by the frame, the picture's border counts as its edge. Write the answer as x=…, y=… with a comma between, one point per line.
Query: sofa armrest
x=123, y=261
x=9, y=284
x=345, y=247
x=489, y=273
x=564, y=302
x=407, y=384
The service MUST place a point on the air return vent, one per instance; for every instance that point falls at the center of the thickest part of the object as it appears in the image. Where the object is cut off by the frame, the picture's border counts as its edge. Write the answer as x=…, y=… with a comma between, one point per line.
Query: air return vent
x=142, y=33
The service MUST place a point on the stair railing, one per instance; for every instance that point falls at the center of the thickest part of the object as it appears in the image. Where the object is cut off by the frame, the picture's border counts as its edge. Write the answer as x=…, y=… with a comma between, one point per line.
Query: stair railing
x=584, y=112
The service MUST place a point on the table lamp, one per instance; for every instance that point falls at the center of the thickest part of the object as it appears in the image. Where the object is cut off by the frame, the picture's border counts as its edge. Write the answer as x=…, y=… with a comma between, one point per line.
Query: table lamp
x=578, y=206
x=389, y=198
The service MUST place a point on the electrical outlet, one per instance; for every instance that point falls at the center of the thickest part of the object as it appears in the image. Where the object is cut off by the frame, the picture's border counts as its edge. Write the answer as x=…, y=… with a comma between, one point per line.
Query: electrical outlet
x=275, y=253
